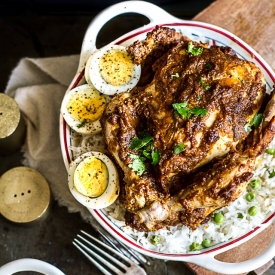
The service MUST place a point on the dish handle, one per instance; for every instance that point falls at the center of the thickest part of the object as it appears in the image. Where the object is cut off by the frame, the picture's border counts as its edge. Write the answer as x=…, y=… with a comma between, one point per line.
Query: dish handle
x=208, y=261
x=151, y=11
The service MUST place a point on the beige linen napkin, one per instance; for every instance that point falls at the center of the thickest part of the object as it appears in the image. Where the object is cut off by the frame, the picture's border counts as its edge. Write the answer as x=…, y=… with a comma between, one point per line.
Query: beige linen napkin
x=38, y=86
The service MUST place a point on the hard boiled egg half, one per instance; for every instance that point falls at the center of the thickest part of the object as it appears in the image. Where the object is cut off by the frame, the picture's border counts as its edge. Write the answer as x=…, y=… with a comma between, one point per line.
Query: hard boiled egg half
x=82, y=108
x=111, y=70
x=93, y=180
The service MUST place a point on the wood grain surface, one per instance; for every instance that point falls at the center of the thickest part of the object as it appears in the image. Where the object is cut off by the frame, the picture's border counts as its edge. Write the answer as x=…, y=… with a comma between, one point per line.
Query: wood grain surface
x=254, y=22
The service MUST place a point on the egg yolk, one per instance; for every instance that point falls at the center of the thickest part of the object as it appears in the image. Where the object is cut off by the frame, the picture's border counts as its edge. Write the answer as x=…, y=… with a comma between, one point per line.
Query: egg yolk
x=86, y=105
x=91, y=177
x=116, y=67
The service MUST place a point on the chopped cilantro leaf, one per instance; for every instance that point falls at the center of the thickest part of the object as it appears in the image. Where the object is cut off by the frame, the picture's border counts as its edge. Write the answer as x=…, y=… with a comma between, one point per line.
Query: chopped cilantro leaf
x=197, y=111
x=240, y=216
x=192, y=50
x=199, y=97
x=206, y=87
x=209, y=66
x=257, y=120
x=81, y=124
x=146, y=152
x=144, y=146
x=271, y=174
x=137, y=143
x=179, y=148
x=137, y=165
x=180, y=105
x=155, y=157
x=270, y=151
x=181, y=108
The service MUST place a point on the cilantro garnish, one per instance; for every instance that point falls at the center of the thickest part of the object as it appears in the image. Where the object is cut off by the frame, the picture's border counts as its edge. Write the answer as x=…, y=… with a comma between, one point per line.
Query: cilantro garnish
x=256, y=122
x=147, y=152
x=179, y=148
x=81, y=124
x=209, y=66
x=182, y=109
x=206, y=87
x=176, y=75
x=144, y=146
x=138, y=164
x=271, y=174
x=197, y=111
x=240, y=216
x=199, y=97
x=155, y=157
x=192, y=50
x=137, y=143
x=270, y=151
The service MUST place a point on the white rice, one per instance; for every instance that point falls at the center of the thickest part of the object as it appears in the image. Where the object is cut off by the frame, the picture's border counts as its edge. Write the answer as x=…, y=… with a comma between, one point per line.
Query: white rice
x=179, y=238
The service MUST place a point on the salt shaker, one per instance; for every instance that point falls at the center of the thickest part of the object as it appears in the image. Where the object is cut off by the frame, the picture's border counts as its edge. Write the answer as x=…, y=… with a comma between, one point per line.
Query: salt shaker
x=12, y=126
x=25, y=196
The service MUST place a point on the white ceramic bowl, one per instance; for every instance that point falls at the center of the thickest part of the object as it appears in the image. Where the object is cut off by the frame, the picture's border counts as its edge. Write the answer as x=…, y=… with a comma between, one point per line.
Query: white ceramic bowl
x=192, y=29
x=29, y=264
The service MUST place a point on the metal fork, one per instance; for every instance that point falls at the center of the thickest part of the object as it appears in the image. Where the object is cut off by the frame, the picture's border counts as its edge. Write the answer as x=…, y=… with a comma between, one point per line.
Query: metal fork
x=126, y=266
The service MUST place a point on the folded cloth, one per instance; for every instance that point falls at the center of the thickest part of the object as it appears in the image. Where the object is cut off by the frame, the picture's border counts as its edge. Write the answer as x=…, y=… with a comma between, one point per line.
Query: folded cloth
x=38, y=86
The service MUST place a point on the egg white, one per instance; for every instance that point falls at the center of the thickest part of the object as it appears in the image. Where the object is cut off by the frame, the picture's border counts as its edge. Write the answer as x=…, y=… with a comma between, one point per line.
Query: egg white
x=94, y=77
x=111, y=192
x=89, y=127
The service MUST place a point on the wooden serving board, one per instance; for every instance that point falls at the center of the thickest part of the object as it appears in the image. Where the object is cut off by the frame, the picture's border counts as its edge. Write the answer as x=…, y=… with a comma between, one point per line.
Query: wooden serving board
x=254, y=22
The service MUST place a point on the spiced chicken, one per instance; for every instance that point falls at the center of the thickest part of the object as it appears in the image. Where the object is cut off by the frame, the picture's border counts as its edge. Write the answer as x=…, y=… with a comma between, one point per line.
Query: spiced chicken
x=180, y=136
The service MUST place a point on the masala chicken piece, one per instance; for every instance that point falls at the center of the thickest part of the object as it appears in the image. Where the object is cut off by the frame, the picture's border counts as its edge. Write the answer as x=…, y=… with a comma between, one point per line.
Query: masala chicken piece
x=209, y=190
x=197, y=108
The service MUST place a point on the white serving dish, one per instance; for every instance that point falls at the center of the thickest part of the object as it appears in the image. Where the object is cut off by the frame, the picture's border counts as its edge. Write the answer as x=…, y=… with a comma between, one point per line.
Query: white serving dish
x=192, y=29
x=29, y=264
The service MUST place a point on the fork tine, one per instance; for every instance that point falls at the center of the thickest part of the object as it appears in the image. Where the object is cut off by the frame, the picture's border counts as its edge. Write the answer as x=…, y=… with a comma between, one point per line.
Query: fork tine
x=109, y=248
x=101, y=251
x=110, y=242
x=139, y=258
x=101, y=268
x=106, y=263
x=126, y=250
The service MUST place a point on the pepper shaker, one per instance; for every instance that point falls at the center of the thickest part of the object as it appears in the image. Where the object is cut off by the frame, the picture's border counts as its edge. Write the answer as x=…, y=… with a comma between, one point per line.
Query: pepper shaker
x=12, y=126
x=25, y=196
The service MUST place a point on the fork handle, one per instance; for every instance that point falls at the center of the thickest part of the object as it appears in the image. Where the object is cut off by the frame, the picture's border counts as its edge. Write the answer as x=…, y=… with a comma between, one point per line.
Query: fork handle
x=152, y=12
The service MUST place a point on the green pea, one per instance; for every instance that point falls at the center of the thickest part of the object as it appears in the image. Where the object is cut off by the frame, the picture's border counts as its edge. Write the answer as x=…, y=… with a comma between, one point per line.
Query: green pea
x=250, y=196
x=252, y=211
x=206, y=243
x=270, y=151
x=155, y=240
x=255, y=184
x=195, y=246
x=218, y=218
